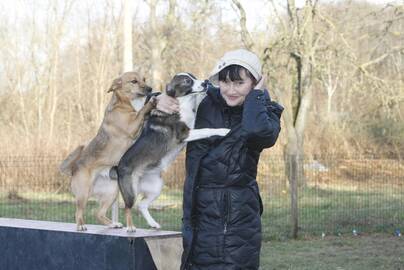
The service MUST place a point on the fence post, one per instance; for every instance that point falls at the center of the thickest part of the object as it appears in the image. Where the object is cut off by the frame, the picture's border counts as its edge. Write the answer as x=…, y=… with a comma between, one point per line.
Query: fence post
x=293, y=175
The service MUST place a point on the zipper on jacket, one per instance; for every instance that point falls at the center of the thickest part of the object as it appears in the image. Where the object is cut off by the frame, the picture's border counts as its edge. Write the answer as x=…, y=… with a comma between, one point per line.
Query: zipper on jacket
x=227, y=207
x=227, y=210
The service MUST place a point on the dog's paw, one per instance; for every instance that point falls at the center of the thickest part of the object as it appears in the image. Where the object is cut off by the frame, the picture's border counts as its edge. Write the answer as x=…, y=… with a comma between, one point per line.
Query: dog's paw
x=131, y=229
x=155, y=225
x=153, y=101
x=222, y=131
x=81, y=228
x=115, y=225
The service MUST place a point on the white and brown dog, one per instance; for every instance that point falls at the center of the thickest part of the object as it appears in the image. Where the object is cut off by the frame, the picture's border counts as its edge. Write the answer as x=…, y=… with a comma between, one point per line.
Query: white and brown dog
x=163, y=137
x=89, y=164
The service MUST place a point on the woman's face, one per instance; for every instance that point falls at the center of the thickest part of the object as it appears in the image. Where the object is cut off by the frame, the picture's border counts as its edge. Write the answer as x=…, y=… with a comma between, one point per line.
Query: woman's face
x=234, y=92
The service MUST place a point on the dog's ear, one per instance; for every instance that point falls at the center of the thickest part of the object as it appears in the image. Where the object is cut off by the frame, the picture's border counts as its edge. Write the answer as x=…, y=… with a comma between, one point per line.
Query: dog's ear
x=116, y=84
x=170, y=90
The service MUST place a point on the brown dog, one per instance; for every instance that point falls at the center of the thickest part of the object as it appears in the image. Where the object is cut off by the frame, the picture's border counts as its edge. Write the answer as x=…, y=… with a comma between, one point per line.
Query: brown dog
x=120, y=127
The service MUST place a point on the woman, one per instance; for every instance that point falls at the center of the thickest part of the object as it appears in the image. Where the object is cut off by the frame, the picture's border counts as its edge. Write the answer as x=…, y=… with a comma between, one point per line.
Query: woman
x=222, y=207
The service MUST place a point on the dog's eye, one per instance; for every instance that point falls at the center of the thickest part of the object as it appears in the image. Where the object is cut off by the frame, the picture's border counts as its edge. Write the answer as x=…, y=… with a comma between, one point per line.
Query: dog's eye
x=133, y=81
x=187, y=81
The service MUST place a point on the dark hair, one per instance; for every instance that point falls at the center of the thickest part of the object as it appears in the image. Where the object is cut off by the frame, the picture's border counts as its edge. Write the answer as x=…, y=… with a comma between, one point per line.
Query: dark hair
x=233, y=72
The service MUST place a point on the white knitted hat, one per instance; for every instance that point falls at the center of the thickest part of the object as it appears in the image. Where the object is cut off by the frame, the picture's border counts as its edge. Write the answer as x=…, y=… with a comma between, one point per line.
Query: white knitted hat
x=241, y=57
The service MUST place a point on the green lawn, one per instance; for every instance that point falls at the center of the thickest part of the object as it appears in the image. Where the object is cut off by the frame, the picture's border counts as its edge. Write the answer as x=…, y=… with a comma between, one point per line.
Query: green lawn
x=371, y=252
x=321, y=211
x=52, y=207
x=335, y=212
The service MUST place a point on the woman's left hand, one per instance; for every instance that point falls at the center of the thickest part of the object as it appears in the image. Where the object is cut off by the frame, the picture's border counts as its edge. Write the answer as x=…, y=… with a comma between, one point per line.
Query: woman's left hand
x=261, y=84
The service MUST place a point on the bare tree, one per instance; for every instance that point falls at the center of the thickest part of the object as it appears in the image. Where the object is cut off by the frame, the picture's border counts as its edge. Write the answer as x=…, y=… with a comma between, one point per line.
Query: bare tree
x=159, y=41
x=299, y=43
x=127, y=36
x=245, y=35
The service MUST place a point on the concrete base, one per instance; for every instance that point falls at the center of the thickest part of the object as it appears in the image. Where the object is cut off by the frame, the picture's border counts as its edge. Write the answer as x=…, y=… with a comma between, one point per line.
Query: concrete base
x=29, y=244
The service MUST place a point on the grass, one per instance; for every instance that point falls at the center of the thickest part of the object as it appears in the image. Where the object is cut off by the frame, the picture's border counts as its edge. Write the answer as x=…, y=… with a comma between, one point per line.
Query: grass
x=354, y=194
x=320, y=211
x=60, y=207
x=335, y=212
x=331, y=212
x=370, y=252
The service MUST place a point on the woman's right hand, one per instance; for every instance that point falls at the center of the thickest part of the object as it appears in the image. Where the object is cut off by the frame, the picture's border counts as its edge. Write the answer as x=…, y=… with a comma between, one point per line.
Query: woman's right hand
x=261, y=84
x=167, y=104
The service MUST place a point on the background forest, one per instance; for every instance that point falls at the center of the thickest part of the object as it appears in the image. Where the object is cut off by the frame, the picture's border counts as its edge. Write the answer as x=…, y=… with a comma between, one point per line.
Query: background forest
x=336, y=66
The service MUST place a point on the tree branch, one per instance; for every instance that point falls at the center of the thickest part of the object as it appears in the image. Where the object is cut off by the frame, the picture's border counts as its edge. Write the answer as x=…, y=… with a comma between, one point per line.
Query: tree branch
x=245, y=35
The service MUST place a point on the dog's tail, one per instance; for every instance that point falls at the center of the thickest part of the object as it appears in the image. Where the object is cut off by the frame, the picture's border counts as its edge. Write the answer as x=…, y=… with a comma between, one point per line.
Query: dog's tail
x=67, y=166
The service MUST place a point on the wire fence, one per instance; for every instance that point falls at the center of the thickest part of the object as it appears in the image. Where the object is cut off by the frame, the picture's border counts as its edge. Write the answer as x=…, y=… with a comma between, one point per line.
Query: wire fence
x=339, y=195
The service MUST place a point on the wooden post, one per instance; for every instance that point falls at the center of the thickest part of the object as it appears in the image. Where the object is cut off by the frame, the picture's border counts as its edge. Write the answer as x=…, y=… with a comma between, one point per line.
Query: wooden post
x=293, y=175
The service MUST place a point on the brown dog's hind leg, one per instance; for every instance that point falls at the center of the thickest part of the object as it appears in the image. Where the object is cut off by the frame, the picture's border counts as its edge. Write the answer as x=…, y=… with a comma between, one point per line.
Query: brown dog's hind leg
x=80, y=206
x=129, y=222
x=81, y=186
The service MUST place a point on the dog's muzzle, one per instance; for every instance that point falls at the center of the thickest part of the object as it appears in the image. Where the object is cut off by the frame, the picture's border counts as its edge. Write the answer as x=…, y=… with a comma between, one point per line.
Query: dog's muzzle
x=205, y=85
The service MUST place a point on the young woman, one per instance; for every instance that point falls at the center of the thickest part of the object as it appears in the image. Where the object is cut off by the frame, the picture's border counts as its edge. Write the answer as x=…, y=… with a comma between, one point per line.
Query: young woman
x=222, y=207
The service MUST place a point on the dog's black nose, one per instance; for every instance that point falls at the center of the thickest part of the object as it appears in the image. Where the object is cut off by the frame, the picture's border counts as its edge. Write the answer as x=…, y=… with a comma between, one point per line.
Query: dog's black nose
x=148, y=89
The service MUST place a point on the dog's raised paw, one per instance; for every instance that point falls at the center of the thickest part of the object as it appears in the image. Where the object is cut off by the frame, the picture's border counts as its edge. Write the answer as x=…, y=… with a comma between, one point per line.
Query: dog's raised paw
x=223, y=131
x=155, y=225
x=153, y=101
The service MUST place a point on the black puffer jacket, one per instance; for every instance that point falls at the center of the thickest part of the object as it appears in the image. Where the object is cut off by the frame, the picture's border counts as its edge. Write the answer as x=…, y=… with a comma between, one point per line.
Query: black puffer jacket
x=222, y=205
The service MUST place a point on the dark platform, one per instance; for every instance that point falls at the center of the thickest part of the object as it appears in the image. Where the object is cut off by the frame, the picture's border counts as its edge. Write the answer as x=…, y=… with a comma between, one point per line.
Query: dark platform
x=42, y=245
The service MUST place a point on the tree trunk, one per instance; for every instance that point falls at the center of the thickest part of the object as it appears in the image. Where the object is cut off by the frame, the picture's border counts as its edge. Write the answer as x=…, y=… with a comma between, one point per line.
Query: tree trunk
x=157, y=43
x=293, y=156
x=127, y=36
